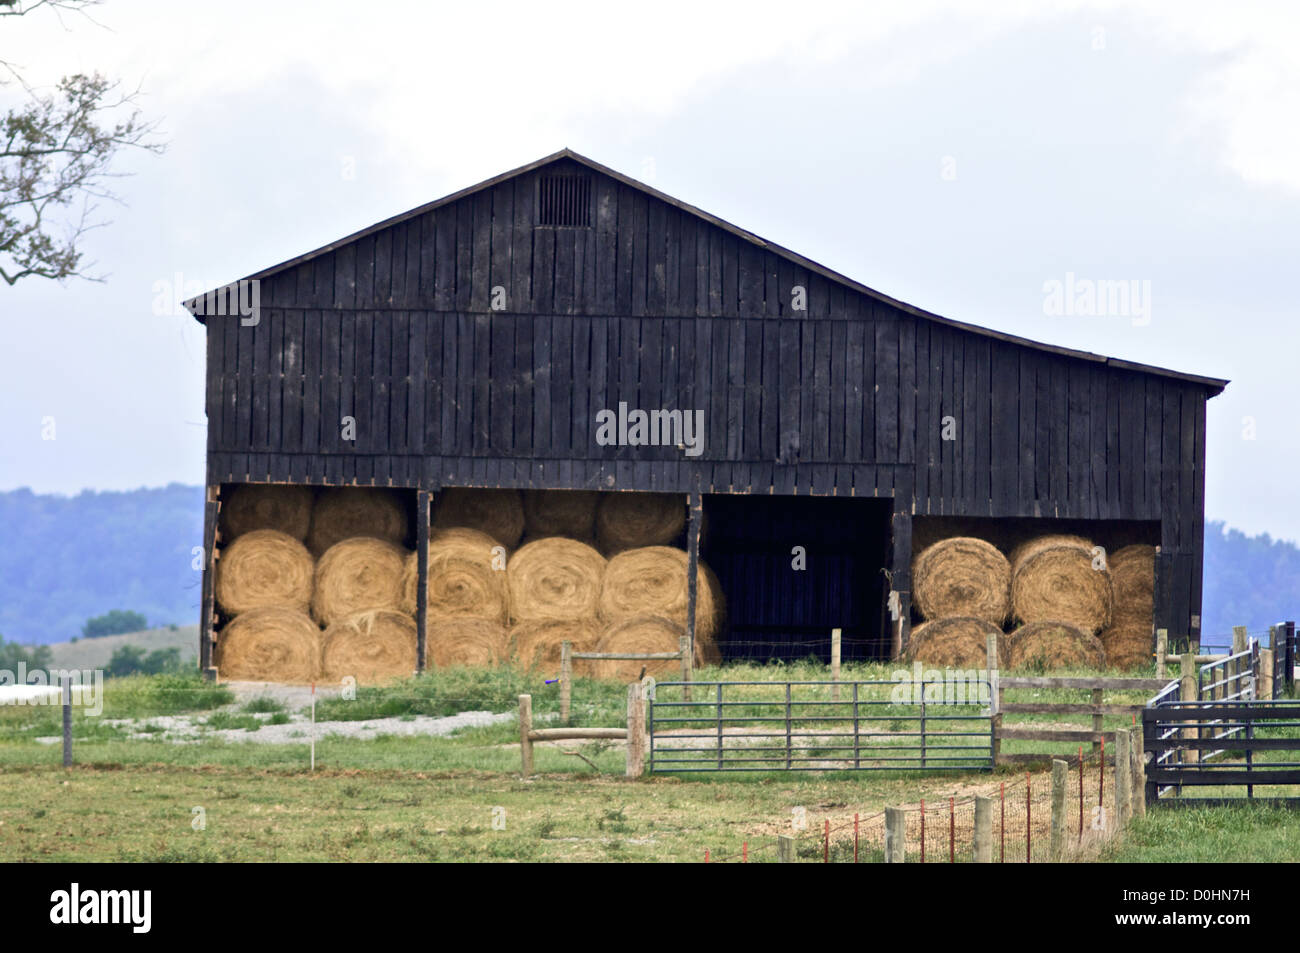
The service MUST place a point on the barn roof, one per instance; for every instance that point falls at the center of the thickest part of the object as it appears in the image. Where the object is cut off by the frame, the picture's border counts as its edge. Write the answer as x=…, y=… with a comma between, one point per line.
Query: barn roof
x=1214, y=384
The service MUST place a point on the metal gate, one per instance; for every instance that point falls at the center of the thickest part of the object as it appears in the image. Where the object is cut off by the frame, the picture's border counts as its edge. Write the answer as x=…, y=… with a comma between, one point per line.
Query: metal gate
x=934, y=725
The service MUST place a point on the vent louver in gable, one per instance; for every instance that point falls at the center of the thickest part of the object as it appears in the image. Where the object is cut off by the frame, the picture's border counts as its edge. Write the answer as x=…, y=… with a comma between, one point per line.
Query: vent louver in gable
x=564, y=200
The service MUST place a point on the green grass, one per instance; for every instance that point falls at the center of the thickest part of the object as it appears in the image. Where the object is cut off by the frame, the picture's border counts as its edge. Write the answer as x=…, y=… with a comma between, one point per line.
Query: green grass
x=1232, y=834
x=261, y=705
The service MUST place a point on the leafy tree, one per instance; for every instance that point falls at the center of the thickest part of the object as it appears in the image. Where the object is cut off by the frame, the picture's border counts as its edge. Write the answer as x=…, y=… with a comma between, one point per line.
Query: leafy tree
x=113, y=623
x=130, y=659
x=57, y=149
x=11, y=653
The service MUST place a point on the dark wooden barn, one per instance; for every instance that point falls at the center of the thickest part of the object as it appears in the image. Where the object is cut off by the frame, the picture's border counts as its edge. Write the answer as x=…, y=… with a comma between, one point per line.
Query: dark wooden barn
x=475, y=339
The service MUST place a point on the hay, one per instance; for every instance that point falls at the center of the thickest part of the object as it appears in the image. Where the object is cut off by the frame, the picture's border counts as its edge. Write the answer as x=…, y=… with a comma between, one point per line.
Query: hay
x=499, y=513
x=1053, y=580
x=253, y=506
x=554, y=578
x=1051, y=645
x=465, y=642
x=632, y=520
x=962, y=576
x=643, y=634
x=264, y=568
x=464, y=581
x=536, y=645
x=370, y=647
x=1129, y=644
x=651, y=581
x=953, y=642
x=270, y=644
x=1133, y=578
x=347, y=512
x=357, y=575
x=569, y=513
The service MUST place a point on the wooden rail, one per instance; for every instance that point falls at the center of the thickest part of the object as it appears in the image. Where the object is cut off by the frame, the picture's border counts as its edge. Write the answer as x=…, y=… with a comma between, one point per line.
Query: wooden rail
x=567, y=656
x=634, y=734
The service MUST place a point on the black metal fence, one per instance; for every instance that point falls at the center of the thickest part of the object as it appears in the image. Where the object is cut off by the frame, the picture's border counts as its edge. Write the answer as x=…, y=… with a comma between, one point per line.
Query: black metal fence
x=937, y=725
x=1220, y=744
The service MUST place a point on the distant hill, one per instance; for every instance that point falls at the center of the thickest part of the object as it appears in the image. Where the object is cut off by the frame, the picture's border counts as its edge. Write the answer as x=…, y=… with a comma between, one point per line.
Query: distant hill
x=64, y=559
x=95, y=653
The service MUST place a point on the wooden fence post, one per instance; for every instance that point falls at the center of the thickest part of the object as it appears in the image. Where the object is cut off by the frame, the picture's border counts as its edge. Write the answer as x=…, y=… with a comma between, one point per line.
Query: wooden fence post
x=526, y=726
x=1266, y=689
x=1189, y=692
x=67, y=719
x=784, y=849
x=566, y=680
x=835, y=665
x=983, y=830
x=895, y=832
x=1098, y=725
x=1123, y=783
x=688, y=659
x=1137, y=753
x=635, y=730
x=1162, y=651
x=995, y=693
x=1056, y=846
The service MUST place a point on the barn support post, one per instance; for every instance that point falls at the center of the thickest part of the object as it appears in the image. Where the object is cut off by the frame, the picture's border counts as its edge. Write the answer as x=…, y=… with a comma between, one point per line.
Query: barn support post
x=694, y=514
x=423, y=502
x=207, y=611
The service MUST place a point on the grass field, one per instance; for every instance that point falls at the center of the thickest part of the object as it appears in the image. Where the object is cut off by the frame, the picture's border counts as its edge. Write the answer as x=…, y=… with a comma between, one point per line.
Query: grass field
x=133, y=793
x=95, y=653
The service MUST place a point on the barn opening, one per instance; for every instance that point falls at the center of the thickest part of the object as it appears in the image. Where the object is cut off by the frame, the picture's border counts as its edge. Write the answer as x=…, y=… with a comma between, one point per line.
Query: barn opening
x=776, y=610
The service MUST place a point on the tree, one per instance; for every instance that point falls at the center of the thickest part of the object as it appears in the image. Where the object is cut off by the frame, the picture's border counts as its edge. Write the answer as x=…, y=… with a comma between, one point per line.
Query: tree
x=113, y=623
x=11, y=653
x=57, y=150
x=130, y=659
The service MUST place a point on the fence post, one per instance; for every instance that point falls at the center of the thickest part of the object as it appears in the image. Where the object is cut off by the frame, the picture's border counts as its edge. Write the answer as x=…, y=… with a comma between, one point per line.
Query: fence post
x=1137, y=752
x=1189, y=691
x=983, y=830
x=1123, y=783
x=1162, y=651
x=525, y=726
x=67, y=719
x=1240, y=642
x=995, y=693
x=784, y=849
x=1056, y=847
x=835, y=665
x=635, y=730
x=684, y=646
x=1266, y=673
x=1097, y=724
x=566, y=680
x=895, y=832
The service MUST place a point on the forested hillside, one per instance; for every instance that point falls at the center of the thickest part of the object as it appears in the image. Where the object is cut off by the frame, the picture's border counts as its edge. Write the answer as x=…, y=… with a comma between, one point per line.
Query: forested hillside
x=65, y=559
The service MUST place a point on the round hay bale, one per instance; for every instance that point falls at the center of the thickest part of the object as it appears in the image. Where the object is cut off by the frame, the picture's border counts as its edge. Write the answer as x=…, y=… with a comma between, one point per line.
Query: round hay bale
x=633, y=520
x=351, y=511
x=264, y=568
x=1046, y=646
x=357, y=575
x=370, y=646
x=465, y=641
x=569, y=513
x=536, y=644
x=642, y=634
x=651, y=581
x=554, y=578
x=1129, y=644
x=1021, y=550
x=953, y=642
x=1053, y=580
x=1133, y=579
x=269, y=644
x=253, y=506
x=962, y=576
x=467, y=579
x=499, y=513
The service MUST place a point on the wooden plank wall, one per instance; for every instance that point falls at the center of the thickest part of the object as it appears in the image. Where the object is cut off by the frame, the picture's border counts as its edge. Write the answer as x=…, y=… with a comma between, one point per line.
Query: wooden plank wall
x=653, y=306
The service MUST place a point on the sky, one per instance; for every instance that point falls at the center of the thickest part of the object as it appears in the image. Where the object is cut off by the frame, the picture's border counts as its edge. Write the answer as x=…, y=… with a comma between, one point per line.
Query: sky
x=960, y=160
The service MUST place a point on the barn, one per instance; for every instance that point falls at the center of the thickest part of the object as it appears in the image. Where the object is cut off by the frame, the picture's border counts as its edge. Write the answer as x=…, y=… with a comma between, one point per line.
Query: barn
x=563, y=326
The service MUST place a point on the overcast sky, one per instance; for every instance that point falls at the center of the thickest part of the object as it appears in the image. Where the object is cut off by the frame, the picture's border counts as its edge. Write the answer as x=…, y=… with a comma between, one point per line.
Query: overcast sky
x=957, y=161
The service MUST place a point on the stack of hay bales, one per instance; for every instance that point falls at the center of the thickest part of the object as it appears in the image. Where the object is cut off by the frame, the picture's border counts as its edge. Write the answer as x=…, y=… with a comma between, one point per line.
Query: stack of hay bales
x=1129, y=638
x=324, y=610
x=1066, y=603
x=962, y=587
x=489, y=601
